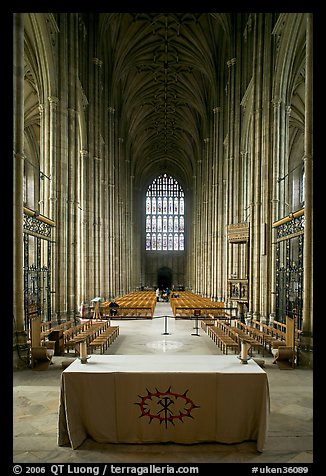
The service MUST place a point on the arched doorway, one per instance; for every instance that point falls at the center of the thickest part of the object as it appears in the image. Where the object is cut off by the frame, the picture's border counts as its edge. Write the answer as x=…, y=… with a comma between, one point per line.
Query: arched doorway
x=164, y=278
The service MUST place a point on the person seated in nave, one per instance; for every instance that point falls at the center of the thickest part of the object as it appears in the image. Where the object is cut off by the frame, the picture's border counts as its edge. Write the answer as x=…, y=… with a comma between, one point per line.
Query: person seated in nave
x=113, y=307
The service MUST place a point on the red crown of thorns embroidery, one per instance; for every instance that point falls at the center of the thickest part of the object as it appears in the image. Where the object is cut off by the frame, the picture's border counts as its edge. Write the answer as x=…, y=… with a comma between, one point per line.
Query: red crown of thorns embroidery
x=166, y=407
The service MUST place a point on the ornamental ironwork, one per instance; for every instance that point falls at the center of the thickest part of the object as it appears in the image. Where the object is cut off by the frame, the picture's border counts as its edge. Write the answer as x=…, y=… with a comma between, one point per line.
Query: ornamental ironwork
x=37, y=267
x=34, y=226
x=290, y=228
x=289, y=269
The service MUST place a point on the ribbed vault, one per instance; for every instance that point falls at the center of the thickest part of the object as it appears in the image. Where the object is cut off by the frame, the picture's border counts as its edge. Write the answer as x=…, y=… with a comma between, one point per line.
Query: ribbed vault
x=162, y=71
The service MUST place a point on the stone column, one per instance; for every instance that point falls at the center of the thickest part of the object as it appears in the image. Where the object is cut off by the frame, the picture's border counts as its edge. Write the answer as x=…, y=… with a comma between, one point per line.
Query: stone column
x=85, y=291
x=127, y=224
x=198, y=228
x=243, y=248
x=18, y=174
x=71, y=204
x=266, y=179
x=231, y=264
x=192, y=262
x=215, y=185
x=106, y=206
x=103, y=228
x=275, y=197
x=256, y=200
x=72, y=166
x=97, y=223
x=308, y=191
x=102, y=152
x=61, y=184
x=230, y=143
x=134, y=256
x=53, y=103
x=222, y=222
x=43, y=193
x=52, y=199
x=206, y=193
x=112, y=225
x=121, y=231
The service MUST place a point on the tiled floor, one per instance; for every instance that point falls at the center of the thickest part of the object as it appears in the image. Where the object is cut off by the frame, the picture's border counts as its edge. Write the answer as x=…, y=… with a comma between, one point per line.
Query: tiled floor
x=36, y=399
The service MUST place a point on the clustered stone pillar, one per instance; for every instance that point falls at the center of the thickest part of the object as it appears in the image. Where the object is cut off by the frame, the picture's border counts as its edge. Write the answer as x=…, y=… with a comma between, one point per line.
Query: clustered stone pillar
x=198, y=228
x=18, y=173
x=85, y=244
x=230, y=218
x=308, y=167
x=256, y=152
x=205, y=268
x=111, y=198
x=192, y=262
x=266, y=164
x=275, y=197
x=214, y=199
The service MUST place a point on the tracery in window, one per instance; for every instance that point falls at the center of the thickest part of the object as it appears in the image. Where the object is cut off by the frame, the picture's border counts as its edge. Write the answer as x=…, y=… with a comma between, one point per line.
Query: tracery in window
x=165, y=215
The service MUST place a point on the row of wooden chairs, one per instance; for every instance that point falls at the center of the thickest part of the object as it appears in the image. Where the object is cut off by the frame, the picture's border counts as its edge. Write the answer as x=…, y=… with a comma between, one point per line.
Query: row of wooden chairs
x=228, y=337
x=46, y=325
x=266, y=335
x=134, y=313
x=138, y=304
x=86, y=332
x=278, y=330
x=188, y=312
x=187, y=302
x=58, y=327
x=104, y=339
x=222, y=339
x=73, y=331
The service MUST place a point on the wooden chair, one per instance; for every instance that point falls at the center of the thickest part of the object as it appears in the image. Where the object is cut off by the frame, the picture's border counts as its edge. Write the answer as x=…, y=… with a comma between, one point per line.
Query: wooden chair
x=41, y=357
x=285, y=357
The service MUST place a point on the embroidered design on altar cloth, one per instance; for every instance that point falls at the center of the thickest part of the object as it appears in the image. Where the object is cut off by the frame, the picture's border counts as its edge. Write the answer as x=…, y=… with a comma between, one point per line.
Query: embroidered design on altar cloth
x=166, y=407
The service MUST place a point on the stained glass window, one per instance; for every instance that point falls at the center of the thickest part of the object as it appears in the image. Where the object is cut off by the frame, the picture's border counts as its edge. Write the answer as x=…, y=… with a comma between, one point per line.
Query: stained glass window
x=165, y=215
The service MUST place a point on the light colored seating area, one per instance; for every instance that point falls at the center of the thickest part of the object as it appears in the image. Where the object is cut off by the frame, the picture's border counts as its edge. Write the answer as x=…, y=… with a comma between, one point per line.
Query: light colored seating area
x=262, y=338
x=48, y=326
x=103, y=340
x=134, y=305
x=220, y=333
x=228, y=335
x=184, y=306
x=96, y=334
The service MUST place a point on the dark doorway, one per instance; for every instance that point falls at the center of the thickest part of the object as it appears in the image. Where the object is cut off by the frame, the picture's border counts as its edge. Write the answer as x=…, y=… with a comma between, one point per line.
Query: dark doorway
x=164, y=278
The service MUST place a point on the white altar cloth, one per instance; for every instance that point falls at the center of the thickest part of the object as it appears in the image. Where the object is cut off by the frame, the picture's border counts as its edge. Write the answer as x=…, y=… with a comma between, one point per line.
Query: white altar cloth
x=163, y=398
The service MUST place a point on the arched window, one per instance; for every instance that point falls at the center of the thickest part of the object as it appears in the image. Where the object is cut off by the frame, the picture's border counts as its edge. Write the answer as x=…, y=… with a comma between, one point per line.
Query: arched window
x=165, y=215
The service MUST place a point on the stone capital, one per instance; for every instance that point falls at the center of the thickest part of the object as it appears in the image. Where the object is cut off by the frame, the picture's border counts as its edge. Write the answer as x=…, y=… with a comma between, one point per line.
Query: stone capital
x=53, y=100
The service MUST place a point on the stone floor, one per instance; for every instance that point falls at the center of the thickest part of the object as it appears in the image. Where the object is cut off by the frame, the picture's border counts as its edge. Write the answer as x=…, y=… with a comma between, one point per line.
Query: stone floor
x=36, y=399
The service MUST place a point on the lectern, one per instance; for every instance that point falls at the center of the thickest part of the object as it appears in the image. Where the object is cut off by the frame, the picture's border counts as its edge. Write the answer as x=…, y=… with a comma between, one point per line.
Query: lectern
x=96, y=301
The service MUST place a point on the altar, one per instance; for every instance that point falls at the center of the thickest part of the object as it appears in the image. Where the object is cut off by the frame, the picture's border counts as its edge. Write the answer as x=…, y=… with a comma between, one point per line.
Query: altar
x=163, y=398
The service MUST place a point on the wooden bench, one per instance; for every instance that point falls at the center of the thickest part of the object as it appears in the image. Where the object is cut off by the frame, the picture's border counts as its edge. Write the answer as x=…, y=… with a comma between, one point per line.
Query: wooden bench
x=222, y=339
x=104, y=339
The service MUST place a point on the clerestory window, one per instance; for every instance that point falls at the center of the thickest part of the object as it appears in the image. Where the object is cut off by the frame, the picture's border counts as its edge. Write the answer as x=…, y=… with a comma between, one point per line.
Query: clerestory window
x=165, y=225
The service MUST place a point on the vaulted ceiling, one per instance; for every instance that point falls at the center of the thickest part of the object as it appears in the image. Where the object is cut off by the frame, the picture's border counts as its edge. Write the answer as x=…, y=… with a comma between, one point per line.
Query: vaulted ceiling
x=165, y=74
